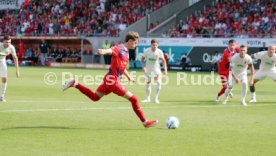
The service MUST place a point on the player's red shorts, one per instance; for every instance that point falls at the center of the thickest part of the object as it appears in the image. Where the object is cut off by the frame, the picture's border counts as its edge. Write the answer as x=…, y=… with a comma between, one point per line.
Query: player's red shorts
x=223, y=77
x=114, y=87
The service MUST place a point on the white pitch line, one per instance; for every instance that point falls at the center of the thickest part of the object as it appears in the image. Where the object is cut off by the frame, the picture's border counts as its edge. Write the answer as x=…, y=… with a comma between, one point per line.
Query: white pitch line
x=121, y=108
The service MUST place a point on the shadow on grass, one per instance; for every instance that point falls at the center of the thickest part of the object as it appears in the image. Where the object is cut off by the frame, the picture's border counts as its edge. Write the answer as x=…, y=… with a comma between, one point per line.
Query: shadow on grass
x=116, y=129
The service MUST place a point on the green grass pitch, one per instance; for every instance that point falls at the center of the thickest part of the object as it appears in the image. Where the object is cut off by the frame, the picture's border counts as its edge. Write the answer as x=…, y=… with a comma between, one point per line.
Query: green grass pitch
x=40, y=120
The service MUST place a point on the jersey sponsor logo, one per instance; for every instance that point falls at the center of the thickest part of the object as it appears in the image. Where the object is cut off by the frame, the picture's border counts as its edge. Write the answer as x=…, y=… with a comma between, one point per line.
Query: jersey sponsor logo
x=269, y=63
x=240, y=65
x=152, y=59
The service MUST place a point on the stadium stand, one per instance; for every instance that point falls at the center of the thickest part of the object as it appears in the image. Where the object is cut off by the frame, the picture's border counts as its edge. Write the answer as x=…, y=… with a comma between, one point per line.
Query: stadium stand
x=230, y=18
x=10, y=4
x=72, y=17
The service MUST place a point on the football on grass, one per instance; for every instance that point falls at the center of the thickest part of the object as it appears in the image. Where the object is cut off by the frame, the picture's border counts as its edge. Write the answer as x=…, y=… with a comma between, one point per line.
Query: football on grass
x=172, y=122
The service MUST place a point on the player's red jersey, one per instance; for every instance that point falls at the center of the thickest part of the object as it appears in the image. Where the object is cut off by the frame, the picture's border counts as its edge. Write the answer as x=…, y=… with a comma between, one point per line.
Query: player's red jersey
x=224, y=64
x=119, y=61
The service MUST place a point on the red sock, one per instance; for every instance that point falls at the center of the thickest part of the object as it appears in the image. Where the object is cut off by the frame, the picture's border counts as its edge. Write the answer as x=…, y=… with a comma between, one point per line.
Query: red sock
x=136, y=108
x=89, y=93
x=222, y=90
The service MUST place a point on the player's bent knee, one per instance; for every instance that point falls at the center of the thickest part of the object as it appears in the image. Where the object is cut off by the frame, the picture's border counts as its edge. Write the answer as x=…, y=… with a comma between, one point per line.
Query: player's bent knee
x=159, y=81
x=4, y=79
x=100, y=95
x=128, y=95
x=133, y=99
x=96, y=98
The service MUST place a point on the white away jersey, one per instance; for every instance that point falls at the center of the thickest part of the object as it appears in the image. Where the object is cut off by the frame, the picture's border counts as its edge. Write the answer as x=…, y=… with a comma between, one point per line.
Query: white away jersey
x=152, y=59
x=239, y=65
x=6, y=51
x=267, y=63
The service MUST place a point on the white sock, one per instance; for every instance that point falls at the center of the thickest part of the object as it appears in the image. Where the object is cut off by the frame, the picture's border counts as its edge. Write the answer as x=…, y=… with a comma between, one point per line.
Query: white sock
x=244, y=90
x=4, y=88
x=253, y=95
x=227, y=92
x=148, y=90
x=158, y=88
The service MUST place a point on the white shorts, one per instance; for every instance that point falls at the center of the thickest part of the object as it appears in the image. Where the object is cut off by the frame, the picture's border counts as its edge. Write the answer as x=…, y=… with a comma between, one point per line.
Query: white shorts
x=242, y=77
x=152, y=74
x=261, y=74
x=3, y=69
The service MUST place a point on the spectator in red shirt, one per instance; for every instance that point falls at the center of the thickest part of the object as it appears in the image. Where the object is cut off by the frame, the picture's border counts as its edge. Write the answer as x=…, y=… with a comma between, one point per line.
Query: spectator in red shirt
x=21, y=51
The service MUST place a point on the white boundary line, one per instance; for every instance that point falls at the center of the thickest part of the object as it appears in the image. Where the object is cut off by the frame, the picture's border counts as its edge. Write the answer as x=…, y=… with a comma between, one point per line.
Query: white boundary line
x=121, y=108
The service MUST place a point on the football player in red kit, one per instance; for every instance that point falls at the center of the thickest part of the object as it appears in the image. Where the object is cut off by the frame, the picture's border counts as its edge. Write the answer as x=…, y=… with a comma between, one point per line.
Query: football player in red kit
x=111, y=81
x=224, y=64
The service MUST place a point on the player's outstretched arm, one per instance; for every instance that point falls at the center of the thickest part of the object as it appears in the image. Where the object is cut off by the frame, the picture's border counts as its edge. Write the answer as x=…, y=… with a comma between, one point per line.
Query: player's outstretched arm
x=252, y=70
x=164, y=65
x=15, y=60
x=257, y=55
x=105, y=51
x=131, y=79
x=232, y=74
x=235, y=77
x=143, y=64
x=252, y=56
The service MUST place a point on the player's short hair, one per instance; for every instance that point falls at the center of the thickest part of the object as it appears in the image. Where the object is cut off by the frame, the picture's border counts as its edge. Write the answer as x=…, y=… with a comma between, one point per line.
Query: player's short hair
x=154, y=41
x=6, y=37
x=231, y=41
x=132, y=35
x=243, y=46
x=271, y=46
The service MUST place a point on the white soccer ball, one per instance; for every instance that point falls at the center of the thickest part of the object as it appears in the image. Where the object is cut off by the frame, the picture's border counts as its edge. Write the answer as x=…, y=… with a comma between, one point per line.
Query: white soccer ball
x=172, y=122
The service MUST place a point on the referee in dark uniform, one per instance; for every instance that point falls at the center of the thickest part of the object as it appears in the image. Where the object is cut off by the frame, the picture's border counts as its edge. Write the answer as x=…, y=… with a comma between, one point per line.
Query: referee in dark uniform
x=263, y=48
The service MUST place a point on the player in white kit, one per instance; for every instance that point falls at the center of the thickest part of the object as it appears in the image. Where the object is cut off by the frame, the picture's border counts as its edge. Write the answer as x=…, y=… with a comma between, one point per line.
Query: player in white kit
x=152, y=56
x=267, y=68
x=238, y=73
x=6, y=48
